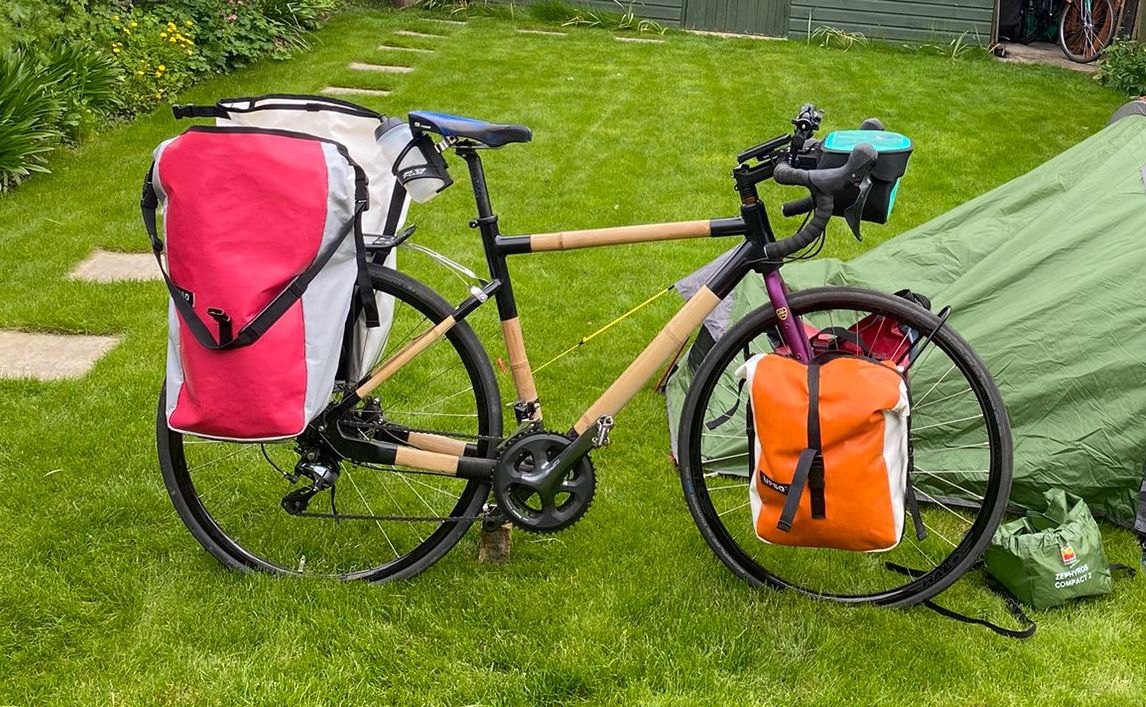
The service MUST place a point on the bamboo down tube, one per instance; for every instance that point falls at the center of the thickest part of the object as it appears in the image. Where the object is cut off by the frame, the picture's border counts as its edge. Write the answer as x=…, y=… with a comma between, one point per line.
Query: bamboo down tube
x=659, y=350
x=569, y=240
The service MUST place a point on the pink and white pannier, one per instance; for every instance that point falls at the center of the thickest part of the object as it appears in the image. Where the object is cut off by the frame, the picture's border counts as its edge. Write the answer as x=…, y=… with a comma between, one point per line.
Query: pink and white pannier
x=264, y=238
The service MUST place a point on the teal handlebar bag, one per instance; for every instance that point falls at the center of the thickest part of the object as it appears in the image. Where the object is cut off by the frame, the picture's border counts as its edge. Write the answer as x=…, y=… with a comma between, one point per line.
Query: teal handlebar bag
x=1050, y=557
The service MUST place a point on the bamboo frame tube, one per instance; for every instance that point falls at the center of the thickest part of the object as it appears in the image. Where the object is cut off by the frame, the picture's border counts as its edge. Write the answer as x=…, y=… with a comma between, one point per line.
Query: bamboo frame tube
x=426, y=461
x=659, y=350
x=589, y=238
x=436, y=443
x=408, y=352
x=518, y=361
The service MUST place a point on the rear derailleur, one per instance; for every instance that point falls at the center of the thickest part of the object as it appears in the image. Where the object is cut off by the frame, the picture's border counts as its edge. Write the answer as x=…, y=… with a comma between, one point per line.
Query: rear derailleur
x=322, y=473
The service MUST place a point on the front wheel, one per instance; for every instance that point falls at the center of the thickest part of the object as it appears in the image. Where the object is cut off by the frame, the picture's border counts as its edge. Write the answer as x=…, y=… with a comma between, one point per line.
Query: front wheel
x=959, y=434
x=1085, y=28
x=377, y=522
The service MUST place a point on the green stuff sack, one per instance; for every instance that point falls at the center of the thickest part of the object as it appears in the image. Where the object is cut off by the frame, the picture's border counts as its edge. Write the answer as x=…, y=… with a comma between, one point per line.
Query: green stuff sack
x=1049, y=558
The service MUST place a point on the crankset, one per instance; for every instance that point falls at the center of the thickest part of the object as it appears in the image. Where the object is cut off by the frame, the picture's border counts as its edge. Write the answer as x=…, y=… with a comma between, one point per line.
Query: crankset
x=529, y=499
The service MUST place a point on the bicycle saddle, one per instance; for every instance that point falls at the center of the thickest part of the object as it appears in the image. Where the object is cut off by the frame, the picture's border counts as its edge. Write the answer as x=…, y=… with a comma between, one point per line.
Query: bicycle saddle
x=488, y=134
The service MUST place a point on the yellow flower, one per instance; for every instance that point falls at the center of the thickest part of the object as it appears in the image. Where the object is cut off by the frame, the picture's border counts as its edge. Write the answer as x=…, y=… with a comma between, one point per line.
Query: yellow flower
x=189, y=23
x=162, y=67
x=115, y=18
x=188, y=52
x=139, y=73
x=172, y=40
x=115, y=50
x=163, y=35
x=133, y=24
x=127, y=31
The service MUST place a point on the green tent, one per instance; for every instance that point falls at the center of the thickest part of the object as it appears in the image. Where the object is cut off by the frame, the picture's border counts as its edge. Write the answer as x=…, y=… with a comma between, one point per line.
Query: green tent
x=1046, y=278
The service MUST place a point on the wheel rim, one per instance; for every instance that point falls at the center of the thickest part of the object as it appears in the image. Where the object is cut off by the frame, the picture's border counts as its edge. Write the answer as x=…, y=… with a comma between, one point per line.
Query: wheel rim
x=232, y=492
x=719, y=499
x=1087, y=28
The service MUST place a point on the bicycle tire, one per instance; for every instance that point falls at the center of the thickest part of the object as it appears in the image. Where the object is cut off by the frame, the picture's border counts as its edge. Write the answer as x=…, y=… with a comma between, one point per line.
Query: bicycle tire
x=1085, y=53
x=758, y=323
x=231, y=552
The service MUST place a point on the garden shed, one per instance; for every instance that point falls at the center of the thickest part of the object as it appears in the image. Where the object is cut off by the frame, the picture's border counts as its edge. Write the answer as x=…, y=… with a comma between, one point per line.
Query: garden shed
x=915, y=21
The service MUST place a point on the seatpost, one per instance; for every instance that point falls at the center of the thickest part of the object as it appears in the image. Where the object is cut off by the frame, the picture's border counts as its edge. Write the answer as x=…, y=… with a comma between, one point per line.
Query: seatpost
x=477, y=180
x=486, y=223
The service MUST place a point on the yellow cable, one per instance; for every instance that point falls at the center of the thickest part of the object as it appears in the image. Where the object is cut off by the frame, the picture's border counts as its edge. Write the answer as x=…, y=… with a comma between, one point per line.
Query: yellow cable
x=586, y=339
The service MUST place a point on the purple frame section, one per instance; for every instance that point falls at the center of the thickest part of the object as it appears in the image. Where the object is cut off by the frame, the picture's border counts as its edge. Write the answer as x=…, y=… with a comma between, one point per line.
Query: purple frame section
x=791, y=329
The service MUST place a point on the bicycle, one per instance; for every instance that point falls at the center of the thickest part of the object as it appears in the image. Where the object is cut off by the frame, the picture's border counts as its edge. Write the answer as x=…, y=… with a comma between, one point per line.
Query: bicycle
x=418, y=445
x=1085, y=28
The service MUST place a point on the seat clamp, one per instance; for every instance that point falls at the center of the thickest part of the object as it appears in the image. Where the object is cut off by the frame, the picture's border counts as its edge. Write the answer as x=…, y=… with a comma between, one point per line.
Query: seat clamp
x=483, y=221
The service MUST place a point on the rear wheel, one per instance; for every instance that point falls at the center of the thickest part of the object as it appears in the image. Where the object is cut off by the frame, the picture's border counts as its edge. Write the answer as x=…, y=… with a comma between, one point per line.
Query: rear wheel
x=230, y=495
x=959, y=432
x=1085, y=28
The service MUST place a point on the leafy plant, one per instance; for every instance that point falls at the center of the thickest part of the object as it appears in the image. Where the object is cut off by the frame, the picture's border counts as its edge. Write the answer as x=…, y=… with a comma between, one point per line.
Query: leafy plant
x=28, y=118
x=1123, y=67
x=837, y=38
x=87, y=84
x=626, y=20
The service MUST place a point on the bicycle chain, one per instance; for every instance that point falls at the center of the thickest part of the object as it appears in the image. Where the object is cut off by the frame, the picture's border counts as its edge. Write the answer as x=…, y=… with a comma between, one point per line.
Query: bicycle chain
x=406, y=519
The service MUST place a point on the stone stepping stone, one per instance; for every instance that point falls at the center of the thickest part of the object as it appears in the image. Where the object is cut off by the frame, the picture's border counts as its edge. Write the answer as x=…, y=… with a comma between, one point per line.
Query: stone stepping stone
x=639, y=40
x=419, y=35
x=103, y=266
x=392, y=48
x=50, y=357
x=447, y=22
x=380, y=68
x=343, y=91
x=546, y=33
x=734, y=35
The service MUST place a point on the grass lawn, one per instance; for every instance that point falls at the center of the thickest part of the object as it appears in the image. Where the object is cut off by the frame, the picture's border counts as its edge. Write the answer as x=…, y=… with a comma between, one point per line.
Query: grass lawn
x=106, y=599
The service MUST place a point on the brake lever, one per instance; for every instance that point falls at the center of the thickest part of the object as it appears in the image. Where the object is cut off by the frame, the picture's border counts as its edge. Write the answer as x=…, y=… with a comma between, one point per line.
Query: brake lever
x=853, y=214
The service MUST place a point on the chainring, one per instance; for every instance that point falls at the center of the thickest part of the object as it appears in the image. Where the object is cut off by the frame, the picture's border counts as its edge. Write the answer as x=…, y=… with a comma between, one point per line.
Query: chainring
x=527, y=505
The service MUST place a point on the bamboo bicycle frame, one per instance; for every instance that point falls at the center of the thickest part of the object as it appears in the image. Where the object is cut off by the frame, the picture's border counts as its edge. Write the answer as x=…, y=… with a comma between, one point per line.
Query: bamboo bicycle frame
x=444, y=455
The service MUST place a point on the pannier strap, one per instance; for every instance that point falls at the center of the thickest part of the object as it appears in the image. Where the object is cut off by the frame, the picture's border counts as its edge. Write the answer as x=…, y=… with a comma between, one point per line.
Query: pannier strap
x=192, y=111
x=810, y=466
x=285, y=299
x=1028, y=629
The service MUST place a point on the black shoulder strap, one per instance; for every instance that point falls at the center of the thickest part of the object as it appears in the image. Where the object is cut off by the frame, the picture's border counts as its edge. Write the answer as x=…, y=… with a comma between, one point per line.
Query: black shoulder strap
x=276, y=308
x=1029, y=626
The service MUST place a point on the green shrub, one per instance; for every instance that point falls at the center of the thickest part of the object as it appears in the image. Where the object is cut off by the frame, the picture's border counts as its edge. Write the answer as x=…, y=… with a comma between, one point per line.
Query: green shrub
x=28, y=118
x=156, y=54
x=87, y=84
x=1123, y=67
x=69, y=64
